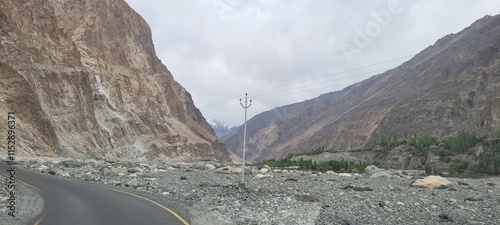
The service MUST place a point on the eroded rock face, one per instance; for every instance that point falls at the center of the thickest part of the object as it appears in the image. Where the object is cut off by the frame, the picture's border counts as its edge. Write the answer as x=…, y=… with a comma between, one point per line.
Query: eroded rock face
x=450, y=86
x=84, y=81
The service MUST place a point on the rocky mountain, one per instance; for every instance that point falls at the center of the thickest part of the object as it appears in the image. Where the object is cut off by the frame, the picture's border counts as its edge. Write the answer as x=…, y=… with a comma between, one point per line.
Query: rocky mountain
x=84, y=81
x=221, y=129
x=450, y=86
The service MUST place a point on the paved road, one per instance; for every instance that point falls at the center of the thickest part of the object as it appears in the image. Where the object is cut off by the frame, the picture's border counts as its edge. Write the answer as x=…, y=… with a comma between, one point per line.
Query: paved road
x=71, y=202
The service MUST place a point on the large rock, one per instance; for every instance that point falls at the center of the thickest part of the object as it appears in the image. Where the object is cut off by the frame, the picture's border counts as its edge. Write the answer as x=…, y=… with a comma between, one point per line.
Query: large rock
x=432, y=182
x=371, y=169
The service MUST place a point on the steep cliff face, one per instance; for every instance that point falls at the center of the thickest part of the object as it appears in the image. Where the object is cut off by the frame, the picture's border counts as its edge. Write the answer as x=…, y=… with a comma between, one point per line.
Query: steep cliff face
x=84, y=81
x=450, y=86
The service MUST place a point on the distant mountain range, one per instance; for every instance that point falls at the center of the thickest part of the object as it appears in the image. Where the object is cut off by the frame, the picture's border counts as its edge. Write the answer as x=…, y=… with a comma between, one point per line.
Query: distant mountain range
x=221, y=129
x=450, y=86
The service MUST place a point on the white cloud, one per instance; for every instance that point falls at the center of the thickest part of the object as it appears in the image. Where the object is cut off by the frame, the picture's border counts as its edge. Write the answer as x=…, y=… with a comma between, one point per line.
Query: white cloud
x=220, y=49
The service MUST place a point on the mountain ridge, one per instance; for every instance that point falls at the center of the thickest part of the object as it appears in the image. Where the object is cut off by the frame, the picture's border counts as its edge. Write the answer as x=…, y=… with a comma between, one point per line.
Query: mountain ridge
x=418, y=96
x=220, y=128
x=85, y=82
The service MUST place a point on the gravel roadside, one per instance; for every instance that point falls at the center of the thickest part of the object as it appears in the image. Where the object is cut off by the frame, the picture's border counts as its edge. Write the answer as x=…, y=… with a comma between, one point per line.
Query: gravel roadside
x=28, y=205
x=210, y=193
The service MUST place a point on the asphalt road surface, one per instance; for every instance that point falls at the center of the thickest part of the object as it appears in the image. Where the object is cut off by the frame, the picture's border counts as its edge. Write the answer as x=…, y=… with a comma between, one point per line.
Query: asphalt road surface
x=72, y=202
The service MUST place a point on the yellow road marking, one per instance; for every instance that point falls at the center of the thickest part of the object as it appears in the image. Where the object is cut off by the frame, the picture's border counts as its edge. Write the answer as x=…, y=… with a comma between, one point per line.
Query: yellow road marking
x=39, y=220
x=149, y=200
x=35, y=188
x=124, y=192
x=31, y=186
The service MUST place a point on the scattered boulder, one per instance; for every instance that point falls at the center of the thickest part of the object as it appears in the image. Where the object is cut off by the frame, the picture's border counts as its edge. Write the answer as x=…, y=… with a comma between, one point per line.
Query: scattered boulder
x=70, y=163
x=445, y=217
x=355, y=188
x=306, y=198
x=451, y=201
x=381, y=174
x=277, y=171
x=132, y=170
x=474, y=199
x=209, y=167
x=43, y=168
x=371, y=169
x=236, y=170
x=461, y=213
x=132, y=183
x=260, y=176
x=267, y=167
x=432, y=182
x=255, y=170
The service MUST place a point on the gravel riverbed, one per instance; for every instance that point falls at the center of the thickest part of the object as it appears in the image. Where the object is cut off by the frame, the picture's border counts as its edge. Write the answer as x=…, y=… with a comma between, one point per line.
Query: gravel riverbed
x=210, y=193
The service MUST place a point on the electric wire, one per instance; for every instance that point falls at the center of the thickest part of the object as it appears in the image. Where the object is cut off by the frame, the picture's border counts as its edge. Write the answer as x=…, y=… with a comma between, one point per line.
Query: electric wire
x=223, y=104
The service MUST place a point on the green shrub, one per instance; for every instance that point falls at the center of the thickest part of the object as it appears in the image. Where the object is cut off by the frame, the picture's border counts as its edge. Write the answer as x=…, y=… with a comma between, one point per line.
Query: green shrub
x=459, y=167
x=461, y=141
x=428, y=169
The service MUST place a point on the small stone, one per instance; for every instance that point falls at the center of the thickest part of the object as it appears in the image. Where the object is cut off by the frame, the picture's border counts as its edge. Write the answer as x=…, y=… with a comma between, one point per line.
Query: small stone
x=400, y=204
x=434, y=207
x=209, y=167
x=291, y=179
x=183, y=178
x=461, y=213
x=354, y=188
x=43, y=168
x=451, y=201
x=416, y=204
x=491, y=184
x=132, y=183
x=473, y=198
x=462, y=183
x=260, y=176
x=445, y=217
x=306, y=198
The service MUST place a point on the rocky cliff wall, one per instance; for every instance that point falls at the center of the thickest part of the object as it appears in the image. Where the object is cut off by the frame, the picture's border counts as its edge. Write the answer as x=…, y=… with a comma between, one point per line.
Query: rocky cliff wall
x=84, y=81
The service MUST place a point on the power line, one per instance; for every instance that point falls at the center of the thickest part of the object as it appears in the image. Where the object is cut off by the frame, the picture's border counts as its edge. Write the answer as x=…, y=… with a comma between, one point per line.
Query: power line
x=218, y=104
x=286, y=91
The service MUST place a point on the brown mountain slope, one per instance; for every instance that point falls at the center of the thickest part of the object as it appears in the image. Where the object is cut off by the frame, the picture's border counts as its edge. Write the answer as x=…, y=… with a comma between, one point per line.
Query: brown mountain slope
x=84, y=81
x=449, y=86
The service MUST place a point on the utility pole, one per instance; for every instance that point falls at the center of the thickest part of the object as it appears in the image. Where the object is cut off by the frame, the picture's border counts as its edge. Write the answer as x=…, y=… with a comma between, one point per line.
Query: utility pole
x=244, y=135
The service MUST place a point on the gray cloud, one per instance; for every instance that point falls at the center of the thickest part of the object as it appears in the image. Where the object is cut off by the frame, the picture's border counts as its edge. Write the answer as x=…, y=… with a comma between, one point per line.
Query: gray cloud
x=220, y=49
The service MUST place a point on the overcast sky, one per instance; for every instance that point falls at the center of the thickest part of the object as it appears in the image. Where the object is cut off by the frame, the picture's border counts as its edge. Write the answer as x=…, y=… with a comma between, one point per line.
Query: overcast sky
x=287, y=51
